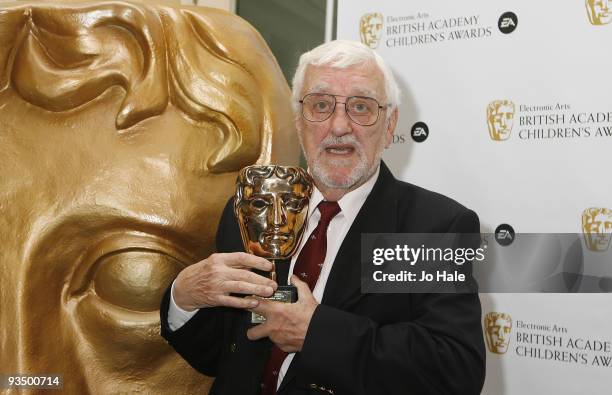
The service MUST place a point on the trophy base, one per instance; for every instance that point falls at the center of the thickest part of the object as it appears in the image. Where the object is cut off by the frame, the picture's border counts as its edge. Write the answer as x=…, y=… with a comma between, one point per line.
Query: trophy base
x=284, y=294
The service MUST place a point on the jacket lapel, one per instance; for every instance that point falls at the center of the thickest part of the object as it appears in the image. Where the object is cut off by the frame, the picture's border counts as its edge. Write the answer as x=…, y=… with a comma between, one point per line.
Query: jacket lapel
x=343, y=288
x=377, y=215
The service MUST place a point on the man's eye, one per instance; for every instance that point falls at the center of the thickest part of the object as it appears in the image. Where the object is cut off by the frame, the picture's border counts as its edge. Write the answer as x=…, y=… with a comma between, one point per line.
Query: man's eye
x=322, y=106
x=258, y=204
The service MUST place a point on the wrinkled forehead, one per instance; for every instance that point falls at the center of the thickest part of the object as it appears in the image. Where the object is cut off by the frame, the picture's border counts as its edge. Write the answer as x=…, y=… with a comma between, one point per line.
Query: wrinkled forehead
x=361, y=79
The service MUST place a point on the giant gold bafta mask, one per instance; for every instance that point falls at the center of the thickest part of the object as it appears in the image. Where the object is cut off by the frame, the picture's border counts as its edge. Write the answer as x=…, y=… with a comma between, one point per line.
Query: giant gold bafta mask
x=122, y=129
x=500, y=119
x=271, y=205
x=370, y=29
x=497, y=331
x=597, y=228
x=599, y=11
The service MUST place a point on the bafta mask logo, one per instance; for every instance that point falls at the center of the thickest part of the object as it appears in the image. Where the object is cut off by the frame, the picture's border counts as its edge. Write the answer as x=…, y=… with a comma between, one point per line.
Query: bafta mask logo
x=497, y=328
x=597, y=228
x=500, y=118
x=271, y=205
x=599, y=11
x=370, y=29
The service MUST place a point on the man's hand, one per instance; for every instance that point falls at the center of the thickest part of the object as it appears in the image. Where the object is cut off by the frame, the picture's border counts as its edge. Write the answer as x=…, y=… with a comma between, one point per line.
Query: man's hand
x=286, y=323
x=209, y=283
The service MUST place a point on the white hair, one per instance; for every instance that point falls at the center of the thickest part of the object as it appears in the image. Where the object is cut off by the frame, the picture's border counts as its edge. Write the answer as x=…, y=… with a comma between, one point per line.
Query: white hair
x=342, y=54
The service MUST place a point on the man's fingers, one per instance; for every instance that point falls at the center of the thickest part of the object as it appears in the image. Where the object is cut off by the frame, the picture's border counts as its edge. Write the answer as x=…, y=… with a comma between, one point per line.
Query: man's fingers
x=264, y=307
x=302, y=288
x=258, y=332
x=244, y=260
x=246, y=288
x=239, y=303
x=250, y=277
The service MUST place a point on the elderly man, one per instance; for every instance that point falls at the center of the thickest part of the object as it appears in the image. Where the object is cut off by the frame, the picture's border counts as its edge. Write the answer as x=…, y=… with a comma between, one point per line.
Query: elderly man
x=334, y=339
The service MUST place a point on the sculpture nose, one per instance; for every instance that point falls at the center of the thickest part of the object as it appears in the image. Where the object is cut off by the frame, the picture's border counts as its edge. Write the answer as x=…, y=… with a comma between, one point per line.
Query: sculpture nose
x=278, y=213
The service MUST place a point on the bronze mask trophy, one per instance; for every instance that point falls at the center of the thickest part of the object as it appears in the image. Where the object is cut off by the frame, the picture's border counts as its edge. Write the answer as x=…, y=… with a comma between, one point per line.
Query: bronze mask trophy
x=271, y=206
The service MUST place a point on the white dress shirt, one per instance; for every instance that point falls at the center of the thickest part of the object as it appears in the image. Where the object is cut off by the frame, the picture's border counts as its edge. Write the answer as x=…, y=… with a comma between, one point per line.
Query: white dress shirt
x=350, y=204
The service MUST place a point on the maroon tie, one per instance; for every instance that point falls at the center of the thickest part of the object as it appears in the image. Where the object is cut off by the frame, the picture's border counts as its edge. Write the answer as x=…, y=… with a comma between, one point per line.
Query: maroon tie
x=307, y=267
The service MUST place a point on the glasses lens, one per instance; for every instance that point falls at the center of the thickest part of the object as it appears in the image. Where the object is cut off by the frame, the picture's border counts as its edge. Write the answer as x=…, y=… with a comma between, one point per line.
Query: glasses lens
x=317, y=107
x=362, y=110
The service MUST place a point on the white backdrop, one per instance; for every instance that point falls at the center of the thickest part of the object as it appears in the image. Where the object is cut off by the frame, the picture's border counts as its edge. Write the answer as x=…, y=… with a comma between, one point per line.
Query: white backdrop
x=555, y=68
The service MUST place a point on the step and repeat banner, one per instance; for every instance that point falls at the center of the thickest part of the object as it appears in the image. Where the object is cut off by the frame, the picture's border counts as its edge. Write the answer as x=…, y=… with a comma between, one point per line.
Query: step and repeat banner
x=507, y=108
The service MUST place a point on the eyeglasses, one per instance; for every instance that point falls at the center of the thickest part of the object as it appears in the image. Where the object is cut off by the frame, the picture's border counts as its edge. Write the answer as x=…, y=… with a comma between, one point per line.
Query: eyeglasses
x=318, y=107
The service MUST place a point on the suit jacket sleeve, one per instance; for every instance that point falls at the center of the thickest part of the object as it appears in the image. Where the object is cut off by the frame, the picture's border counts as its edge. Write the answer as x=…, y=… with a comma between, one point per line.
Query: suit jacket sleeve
x=438, y=351
x=200, y=339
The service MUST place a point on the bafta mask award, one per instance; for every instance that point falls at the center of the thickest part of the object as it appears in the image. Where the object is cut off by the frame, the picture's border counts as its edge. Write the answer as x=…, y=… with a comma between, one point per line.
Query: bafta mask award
x=271, y=206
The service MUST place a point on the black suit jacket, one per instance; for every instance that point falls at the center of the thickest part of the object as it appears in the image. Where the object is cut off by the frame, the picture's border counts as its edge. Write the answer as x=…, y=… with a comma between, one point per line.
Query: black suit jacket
x=356, y=343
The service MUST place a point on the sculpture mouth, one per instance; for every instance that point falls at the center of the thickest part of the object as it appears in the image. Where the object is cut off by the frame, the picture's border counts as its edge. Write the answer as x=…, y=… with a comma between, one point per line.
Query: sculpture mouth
x=276, y=238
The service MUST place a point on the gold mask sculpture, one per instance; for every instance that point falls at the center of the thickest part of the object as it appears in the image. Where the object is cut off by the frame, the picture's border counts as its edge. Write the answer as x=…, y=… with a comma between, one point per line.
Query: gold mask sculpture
x=370, y=29
x=122, y=129
x=500, y=119
x=271, y=205
x=498, y=327
x=597, y=228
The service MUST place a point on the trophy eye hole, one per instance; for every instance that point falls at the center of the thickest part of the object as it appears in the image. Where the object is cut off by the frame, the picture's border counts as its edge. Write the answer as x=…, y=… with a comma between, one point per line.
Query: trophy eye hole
x=294, y=204
x=258, y=204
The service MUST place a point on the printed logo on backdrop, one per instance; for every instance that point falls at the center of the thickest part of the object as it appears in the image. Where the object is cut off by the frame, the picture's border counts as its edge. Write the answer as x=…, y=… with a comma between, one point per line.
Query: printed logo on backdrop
x=545, y=341
x=545, y=122
x=497, y=328
x=504, y=235
x=507, y=22
x=419, y=132
x=599, y=11
x=370, y=29
x=500, y=119
x=422, y=28
x=597, y=228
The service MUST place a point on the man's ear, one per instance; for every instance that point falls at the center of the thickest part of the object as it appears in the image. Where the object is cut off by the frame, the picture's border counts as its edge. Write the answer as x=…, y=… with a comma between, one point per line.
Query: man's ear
x=391, y=127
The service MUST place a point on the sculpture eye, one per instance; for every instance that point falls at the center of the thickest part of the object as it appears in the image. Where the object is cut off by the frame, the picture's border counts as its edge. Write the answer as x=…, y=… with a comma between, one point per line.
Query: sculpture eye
x=258, y=204
x=134, y=279
x=294, y=204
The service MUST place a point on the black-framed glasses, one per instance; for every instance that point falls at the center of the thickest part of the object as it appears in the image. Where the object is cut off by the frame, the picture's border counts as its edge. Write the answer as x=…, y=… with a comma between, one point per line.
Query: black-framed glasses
x=318, y=107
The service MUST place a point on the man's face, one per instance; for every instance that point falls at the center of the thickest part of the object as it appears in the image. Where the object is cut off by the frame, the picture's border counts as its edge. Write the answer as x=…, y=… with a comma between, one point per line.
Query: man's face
x=501, y=120
x=271, y=215
x=371, y=29
x=340, y=153
x=597, y=228
x=498, y=335
x=599, y=11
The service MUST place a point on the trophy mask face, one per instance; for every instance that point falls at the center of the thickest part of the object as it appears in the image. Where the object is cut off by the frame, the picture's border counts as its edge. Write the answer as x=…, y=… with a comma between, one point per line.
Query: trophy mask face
x=500, y=117
x=115, y=171
x=370, y=29
x=597, y=228
x=498, y=327
x=272, y=207
x=599, y=11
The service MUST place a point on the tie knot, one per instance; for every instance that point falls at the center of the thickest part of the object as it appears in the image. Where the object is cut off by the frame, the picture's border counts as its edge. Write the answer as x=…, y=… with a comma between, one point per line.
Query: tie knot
x=328, y=210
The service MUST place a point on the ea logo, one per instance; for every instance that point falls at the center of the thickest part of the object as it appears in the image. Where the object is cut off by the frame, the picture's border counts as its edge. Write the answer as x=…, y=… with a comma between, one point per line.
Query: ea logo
x=504, y=235
x=419, y=132
x=507, y=22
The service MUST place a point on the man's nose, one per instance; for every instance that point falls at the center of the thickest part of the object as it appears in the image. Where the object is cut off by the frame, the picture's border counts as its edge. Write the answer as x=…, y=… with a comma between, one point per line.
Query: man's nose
x=341, y=124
